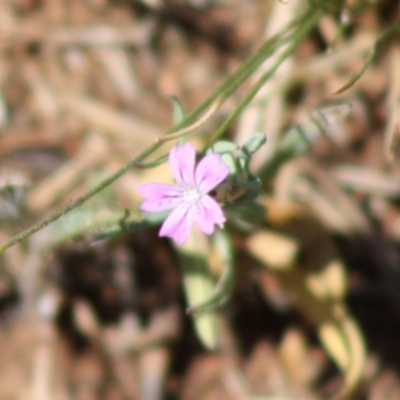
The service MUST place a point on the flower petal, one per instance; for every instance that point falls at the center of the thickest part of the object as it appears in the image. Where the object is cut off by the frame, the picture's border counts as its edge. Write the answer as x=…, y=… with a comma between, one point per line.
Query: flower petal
x=210, y=172
x=159, y=190
x=209, y=213
x=158, y=205
x=179, y=223
x=182, y=160
x=160, y=197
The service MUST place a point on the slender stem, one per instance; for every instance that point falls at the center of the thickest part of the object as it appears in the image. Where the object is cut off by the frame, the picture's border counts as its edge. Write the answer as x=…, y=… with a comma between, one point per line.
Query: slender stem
x=151, y=164
x=238, y=77
x=299, y=36
x=80, y=200
x=182, y=132
x=370, y=57
x=231, y=84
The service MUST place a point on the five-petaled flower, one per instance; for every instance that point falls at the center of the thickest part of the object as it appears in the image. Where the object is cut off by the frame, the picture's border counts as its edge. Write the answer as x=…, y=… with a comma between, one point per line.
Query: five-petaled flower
x=189, y=198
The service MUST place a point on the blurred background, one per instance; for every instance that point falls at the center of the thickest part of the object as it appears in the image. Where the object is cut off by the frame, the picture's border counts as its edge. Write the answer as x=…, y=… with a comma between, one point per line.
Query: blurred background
x=315, y=311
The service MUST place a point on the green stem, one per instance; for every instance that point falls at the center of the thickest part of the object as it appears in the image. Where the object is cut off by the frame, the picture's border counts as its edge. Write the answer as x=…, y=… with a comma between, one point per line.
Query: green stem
x=266, y=50
x=80, y=200
x=231, y=84
x=370, y=57
x=298, y=37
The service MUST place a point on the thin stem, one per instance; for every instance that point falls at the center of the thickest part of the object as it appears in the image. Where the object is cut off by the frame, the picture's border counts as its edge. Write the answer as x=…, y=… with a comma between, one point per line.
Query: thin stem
x=185, y=131
x=80, y=200
x=238, y=77
x=151, y=164
x=299, y=36
x=226, y=89
x=370, y=57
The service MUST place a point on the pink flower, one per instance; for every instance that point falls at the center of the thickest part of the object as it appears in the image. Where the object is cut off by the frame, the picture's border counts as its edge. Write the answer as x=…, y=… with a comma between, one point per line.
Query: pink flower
x=188, y=198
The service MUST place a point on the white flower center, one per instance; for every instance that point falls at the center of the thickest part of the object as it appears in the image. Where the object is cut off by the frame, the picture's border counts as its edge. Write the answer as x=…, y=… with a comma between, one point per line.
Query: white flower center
x=192, y=194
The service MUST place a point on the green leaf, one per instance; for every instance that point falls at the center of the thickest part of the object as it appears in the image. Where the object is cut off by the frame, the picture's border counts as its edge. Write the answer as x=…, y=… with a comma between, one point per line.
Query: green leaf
x=131, y=224
x=223, y=290
x=198, y=285
x=255, y=142
x=178, y=114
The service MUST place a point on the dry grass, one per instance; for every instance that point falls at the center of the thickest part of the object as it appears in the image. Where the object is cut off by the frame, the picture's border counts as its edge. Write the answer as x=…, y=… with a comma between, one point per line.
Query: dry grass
x=84, y=86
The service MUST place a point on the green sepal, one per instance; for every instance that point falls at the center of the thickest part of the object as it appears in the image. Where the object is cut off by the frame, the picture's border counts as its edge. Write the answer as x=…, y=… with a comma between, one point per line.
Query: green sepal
x=255, y=142
x=223, y=147
x=229, y=160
